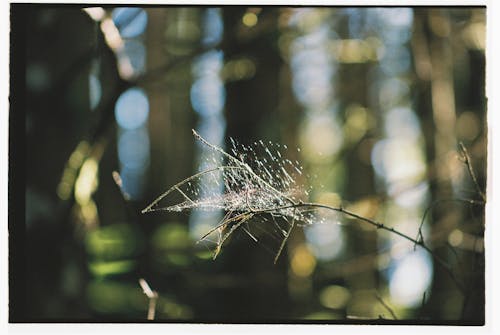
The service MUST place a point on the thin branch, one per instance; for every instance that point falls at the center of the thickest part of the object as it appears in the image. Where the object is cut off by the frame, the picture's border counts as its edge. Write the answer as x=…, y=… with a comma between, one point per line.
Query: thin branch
x=249, y=234
x=377, y=225
x=152, y=296
x=285, y=239
x=216, y=148
x=185, y=195
x=428, y=210
x=467, y=161
x=379, y=298
x=422, y=304
x=224, y=222
x=248, y=211
x=233, y=228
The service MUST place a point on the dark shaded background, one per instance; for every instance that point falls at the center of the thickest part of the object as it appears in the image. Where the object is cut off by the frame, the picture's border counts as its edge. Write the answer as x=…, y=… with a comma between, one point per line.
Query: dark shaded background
x=377, y=99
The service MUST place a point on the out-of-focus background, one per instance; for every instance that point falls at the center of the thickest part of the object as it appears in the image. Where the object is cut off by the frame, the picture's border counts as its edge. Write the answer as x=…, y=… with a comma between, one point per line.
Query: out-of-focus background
x=373, y=103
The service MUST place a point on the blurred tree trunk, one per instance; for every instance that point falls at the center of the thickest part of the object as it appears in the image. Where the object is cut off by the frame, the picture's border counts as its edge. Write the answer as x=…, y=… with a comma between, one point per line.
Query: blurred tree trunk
x=58, y=55
x=433, y=48
x=248, y=101
x=432, y=66
x=301, y=289
x=353, y=84
x=160, y=118
x=171, y=119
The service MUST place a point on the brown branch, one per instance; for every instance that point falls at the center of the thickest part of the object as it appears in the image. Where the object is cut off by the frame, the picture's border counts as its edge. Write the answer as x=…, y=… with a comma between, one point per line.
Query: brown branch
x=377, y=225
x=428, y=210
x=284, y=240
x=296, y=205
x=231, y=230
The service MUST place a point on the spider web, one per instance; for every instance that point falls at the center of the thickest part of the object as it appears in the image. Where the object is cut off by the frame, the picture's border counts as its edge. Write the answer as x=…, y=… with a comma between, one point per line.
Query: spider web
x=253, y=184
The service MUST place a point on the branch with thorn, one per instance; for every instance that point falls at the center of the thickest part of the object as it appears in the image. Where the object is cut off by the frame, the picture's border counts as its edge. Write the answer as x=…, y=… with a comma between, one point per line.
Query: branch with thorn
x=247, y=205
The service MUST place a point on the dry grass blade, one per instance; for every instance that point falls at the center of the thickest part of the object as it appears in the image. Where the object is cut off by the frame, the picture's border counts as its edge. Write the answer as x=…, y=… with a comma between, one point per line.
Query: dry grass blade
x=152, y=296
x=231, y=231
x=285, y=239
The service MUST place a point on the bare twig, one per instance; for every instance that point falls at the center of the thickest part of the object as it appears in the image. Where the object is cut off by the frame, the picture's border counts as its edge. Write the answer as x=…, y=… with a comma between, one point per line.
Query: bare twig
x=428, y=210
x=225, y=222
x=285, y=239
x=379, y=298
x=467, y=161
x=232, y=229
x=152, y=296
x=184, y=195
x=286, y=206
x=422, y=304
x=378, y=225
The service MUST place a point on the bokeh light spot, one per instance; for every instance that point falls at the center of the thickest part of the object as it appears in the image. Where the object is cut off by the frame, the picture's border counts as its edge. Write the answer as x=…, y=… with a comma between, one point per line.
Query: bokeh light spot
x=303, y=261
x=468, y=126
x=334, y=296
x=95, y=91
x=250, y=19
x=133, y=149
x=131, y=21
x=411, y=278
x=132, y=109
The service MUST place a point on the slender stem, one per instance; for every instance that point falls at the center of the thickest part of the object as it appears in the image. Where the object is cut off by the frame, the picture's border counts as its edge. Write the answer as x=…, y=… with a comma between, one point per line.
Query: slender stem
x=284, y=240
x=233, y=228
x=467, y=162
x=185, y=195
x=420, y=236
x=422, y=304
x=376, y=224
x=294, y=204
x=379, y=298
x=225, y=222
